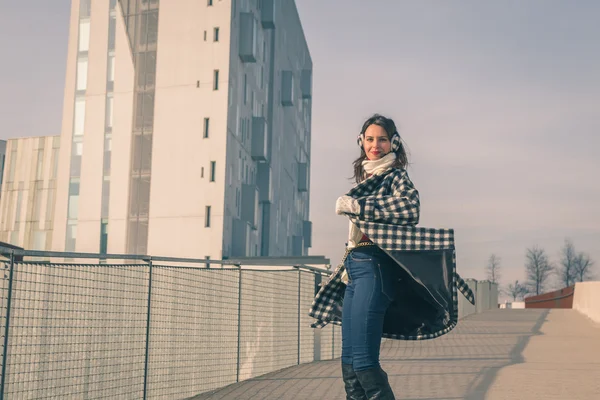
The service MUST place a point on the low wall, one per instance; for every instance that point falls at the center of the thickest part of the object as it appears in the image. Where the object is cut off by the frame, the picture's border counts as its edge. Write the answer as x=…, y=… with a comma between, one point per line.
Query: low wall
x=562, y=298
x=587, y=299
x=486, y=298
x=513, y=305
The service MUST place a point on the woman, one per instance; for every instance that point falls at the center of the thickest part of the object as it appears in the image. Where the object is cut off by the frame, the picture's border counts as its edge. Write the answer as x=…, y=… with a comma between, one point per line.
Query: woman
x=395, y=280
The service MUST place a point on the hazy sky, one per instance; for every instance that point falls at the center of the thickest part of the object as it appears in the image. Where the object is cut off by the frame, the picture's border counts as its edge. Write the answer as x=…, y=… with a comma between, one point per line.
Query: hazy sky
x=499, y=102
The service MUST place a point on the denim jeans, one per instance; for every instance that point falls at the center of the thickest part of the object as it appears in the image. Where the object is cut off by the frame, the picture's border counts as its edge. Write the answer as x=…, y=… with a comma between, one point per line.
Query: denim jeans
x=369, y=292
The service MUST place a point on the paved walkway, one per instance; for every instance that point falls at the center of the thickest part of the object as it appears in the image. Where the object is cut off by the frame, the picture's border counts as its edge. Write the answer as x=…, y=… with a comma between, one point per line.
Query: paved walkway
x=500, y=354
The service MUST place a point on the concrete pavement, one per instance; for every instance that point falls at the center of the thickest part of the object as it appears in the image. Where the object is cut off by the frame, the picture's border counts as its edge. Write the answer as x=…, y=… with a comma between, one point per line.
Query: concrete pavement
x=500, y=354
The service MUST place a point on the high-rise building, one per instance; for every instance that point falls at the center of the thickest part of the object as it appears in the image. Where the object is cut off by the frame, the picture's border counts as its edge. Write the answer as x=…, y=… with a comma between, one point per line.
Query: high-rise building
x=28, y=192
x=186, y=129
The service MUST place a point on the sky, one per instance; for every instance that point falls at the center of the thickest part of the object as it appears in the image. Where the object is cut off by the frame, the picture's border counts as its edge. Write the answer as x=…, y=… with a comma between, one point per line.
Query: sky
x=498, y=101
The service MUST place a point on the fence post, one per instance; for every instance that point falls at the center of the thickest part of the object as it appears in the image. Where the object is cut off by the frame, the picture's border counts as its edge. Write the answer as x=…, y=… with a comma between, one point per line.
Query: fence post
x=237, y=377
x=299, y=288
x=7, y=325
x=148, y=328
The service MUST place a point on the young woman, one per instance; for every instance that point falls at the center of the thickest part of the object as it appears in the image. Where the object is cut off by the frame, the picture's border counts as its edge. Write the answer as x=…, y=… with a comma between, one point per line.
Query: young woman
x=395, y=280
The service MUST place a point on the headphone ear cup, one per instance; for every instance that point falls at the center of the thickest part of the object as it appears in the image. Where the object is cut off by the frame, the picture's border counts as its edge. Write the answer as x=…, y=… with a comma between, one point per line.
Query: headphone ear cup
x=396, y=142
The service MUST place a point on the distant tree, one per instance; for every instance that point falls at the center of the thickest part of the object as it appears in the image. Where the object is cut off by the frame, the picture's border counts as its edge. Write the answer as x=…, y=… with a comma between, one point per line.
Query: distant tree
x=516, y=290
x=538, y=269
x=566, y=271
x=582, y=269
x=493, y=269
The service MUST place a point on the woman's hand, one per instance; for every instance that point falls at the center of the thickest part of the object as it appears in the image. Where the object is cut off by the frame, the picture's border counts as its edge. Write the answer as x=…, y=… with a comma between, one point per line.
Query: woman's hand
x=347, y=205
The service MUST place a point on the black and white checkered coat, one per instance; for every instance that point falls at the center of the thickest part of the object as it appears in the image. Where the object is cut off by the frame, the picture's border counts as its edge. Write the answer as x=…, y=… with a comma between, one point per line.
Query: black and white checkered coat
x=426, y=304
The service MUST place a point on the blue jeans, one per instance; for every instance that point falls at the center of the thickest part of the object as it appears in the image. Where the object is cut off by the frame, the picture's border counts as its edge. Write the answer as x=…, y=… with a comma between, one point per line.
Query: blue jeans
x=369, y=292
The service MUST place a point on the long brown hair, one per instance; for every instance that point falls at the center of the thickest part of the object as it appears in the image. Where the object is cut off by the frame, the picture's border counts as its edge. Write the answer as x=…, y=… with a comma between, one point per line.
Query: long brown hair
x=390, y=128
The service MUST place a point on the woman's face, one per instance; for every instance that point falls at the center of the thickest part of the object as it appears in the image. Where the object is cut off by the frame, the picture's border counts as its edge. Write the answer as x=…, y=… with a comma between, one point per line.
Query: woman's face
x=376, y=142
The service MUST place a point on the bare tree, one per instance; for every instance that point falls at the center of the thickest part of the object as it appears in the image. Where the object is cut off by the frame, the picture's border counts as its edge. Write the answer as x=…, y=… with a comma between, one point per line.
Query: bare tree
x=582, y=269
x=493, y=268
x=566, y=272
x=538, y=269
x=516, y=290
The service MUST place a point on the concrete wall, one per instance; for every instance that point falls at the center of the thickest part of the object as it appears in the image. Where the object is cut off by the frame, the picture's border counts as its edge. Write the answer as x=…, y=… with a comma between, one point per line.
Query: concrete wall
x=486, y=298
x=513, y=305
x=587, y=299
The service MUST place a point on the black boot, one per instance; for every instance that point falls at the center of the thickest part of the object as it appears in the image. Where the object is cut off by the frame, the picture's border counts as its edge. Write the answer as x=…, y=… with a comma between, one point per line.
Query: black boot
x=353, y=389
x=375, y=383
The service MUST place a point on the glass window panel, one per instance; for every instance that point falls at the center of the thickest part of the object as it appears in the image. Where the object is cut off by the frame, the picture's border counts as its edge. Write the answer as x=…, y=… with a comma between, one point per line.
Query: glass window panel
x=144, y=116
x=73, y=199
x=79, y=117
x=103, y=237
x=149, y=27
x=85, y=8
x=105, y=198
x=147, y=68
x=206, y=127
x=112, y=23
x=84, y=35
x=76, y=155
x=71, y=236
x=142, y=237
x=207, y=217
x=111, y=68
x=82, y=68
x=109, y=111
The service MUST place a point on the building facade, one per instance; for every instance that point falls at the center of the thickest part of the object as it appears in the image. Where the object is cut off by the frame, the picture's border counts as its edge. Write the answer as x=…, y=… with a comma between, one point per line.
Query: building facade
x=186, y=129
x=28, y=193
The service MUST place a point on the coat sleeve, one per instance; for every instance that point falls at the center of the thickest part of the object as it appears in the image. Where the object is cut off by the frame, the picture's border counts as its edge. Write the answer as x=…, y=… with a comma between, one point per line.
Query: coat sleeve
x=402, y=207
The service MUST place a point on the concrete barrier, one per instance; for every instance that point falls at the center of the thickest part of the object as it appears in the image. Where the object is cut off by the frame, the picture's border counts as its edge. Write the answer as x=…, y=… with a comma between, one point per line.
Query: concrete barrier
x=587, y=299
x=513, y=305
x=486, y=298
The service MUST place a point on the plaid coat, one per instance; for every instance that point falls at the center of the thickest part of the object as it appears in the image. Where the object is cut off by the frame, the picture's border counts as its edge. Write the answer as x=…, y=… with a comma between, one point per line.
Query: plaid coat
x=426, y=303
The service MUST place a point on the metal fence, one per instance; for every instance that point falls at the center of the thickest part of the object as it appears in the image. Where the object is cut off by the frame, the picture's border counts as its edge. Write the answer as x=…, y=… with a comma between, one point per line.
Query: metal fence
x=151, y=328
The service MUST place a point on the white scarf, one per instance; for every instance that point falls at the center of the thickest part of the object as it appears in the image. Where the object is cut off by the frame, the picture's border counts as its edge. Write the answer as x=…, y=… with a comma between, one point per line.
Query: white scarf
x=371, y=167
x=377, y=167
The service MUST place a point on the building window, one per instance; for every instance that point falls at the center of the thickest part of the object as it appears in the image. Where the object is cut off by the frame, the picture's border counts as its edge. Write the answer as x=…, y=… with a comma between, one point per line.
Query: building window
x=206, y=127
x=216, y=80
x=103, y=237
x=73, y=199
x=245, y=87
x=79, y=117
x=207, y=258
x=209, y=2
x=84, y=35
x=205, y=36
x=207, y=217
x=216, y=35
x=213, y=165
x=82, y=67
x=111, y=68
x=71, y=236
x=85, y=8
x=109, y=111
